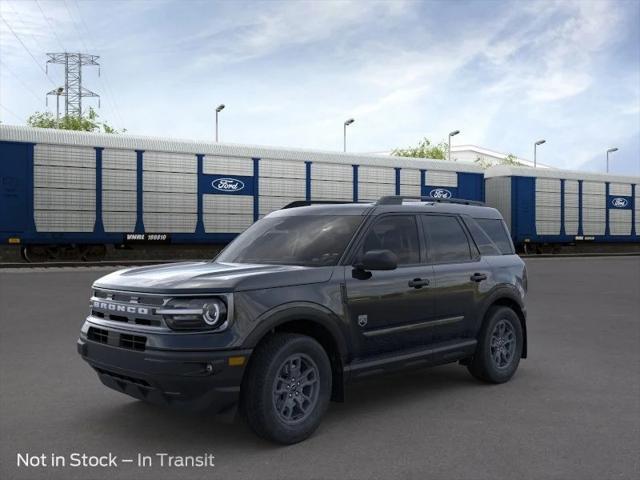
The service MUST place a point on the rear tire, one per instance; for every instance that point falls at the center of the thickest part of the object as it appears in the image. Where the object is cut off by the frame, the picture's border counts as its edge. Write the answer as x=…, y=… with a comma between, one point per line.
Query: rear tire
x=287, y=388
x=499, y=346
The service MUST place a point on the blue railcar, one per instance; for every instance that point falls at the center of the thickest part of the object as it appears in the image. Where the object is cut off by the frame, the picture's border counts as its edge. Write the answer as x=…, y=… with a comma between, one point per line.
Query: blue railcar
x=557, y=207
x=84, y=191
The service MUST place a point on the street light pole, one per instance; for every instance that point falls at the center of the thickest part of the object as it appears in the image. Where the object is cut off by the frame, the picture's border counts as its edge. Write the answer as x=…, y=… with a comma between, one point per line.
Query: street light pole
x=451, y=134
x=344, y=133
x=218, y=110
x=535, y=146
x=611, y=150
x=58, y=93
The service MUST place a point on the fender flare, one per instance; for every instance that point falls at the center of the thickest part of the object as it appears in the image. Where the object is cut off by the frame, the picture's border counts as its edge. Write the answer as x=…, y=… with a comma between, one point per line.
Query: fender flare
x=308, y=311
x=501, y=293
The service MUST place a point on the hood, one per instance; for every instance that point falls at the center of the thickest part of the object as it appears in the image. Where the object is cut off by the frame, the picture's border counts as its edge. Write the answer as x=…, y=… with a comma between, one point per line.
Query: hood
x=205, y=277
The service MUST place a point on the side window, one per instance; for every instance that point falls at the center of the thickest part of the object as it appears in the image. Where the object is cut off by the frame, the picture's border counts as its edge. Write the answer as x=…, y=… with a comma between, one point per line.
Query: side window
x=484, y=243
x=446, y=240
x=398, y=233
x=497, y=232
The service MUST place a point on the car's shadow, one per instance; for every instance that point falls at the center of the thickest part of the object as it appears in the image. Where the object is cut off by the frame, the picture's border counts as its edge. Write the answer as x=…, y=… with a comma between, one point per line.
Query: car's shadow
x=140, y=421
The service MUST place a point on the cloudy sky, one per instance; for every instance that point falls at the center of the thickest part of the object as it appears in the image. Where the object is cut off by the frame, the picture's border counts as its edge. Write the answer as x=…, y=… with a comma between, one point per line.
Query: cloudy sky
x=504, y=73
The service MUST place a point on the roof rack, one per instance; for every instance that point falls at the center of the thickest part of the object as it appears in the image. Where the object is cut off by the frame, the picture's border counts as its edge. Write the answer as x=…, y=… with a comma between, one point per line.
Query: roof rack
x=398, y=199
x=307, y=203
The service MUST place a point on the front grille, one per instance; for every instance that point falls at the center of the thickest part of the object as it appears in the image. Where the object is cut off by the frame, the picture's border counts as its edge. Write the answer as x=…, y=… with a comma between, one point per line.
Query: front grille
x=98, y=335
x=119, y=318
x=131, y=308
x=133, y=342
x=122, y=340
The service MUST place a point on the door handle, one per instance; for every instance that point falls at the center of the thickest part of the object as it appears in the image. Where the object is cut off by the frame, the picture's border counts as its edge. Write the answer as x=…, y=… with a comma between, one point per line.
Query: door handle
x=418, y=282
x=478, y=277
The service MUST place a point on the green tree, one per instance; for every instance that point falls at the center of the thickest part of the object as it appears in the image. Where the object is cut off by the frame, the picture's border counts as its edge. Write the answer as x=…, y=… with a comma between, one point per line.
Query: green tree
x=483, y=163
x=425, y=149
x=510, y=159
x=88, y=122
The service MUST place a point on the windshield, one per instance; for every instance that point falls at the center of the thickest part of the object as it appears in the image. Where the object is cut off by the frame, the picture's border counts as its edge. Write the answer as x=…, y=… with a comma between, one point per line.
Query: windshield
x=313, y=241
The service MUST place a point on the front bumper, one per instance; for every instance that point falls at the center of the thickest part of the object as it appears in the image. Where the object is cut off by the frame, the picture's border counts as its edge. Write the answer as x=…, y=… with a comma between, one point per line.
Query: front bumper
x=191, y=380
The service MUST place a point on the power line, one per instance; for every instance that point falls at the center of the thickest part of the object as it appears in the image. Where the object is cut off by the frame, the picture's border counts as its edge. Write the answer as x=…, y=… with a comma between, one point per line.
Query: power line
x=27, y=49
x=106, y=84
x=27, y=31
x=5, y=108
x=111, y=97
x=6, y=67
x=53, y=30
x=73, y=21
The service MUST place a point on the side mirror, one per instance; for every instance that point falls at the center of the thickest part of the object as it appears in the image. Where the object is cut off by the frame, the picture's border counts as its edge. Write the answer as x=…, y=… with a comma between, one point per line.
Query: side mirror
x=378, y=260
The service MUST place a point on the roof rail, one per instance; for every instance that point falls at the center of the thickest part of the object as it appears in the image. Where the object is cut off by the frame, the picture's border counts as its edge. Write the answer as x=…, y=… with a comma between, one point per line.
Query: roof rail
x=307, y=203
x=398, y=199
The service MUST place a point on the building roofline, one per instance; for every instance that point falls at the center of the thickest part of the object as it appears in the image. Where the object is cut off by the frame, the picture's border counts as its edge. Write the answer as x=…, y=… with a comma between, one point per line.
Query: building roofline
x=494, y=153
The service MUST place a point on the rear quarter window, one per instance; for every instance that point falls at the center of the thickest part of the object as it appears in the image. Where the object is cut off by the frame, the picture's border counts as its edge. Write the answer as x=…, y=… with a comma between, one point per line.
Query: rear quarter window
x=491, y=236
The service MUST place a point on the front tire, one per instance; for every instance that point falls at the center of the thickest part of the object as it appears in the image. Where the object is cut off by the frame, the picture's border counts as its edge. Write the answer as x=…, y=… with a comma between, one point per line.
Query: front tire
x=499, y=347
x=287, y=388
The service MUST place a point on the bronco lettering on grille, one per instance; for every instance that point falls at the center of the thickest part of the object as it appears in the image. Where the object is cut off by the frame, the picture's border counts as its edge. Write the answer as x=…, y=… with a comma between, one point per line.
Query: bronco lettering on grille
x=117, y=307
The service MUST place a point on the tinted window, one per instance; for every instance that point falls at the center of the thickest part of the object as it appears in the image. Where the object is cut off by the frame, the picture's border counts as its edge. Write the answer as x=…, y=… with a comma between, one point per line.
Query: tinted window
x=446, y=239
x=398, y=234
x=314, y=241
x=484, y=243
x=497, y=232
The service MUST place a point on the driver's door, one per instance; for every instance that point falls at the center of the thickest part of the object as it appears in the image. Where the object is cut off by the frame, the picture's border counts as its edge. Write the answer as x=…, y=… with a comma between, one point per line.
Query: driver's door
x=391, y=310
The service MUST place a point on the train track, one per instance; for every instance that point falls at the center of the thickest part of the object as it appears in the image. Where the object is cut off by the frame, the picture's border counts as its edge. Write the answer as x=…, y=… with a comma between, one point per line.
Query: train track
x=139, y=263
x=576, y=255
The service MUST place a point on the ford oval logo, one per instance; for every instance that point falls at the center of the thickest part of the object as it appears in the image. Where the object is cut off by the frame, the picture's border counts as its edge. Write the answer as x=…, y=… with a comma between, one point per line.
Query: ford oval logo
x=228, y=184
x=440, y=193
x=619, y=202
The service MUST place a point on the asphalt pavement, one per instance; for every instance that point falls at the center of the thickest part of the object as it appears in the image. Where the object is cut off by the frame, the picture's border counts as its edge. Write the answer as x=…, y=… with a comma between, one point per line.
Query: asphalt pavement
x=571, y=412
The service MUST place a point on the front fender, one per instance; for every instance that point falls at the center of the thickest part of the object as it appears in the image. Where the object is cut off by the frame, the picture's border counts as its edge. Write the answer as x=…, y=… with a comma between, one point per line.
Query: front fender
x=309, y=311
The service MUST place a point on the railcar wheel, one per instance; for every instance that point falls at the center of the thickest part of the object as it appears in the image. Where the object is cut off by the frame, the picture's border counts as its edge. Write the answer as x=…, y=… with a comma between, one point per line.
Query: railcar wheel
x=40, y=253
x=92, y=253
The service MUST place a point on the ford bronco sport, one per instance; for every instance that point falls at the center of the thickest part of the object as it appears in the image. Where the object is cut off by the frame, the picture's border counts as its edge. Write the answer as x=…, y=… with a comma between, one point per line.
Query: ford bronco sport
x=308, y=299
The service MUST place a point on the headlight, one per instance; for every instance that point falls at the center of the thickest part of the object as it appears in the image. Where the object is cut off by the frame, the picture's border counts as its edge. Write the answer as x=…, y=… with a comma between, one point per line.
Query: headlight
x=195, y=313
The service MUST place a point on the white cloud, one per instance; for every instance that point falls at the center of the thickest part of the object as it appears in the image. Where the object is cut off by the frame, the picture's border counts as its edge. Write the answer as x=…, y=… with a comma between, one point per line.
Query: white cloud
x=288, y=24
x=291, y=72
x=552, y=58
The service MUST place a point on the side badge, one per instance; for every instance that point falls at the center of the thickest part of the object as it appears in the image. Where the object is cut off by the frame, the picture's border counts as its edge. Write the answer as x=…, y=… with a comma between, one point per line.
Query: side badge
x=362, y=320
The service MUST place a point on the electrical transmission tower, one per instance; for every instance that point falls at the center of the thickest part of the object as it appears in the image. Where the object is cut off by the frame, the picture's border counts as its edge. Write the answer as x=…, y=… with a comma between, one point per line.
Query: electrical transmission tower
x=73, y=91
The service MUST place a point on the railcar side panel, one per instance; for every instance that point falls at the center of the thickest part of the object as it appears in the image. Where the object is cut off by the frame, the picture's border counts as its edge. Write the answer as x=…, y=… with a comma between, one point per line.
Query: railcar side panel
x=551, y=208
x=15, y=186
x=73, y=188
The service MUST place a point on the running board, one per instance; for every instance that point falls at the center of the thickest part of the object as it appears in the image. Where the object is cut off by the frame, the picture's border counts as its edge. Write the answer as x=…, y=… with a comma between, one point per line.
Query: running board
x=435, y=355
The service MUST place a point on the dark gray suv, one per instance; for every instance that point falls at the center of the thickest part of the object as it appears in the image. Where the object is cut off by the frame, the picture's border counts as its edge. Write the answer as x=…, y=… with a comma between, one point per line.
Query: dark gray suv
x=308, y=299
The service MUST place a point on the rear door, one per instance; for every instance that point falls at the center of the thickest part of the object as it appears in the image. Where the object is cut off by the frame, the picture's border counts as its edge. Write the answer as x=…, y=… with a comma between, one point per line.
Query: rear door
x=390, y=310
x=461, y=276
x=13, y=186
